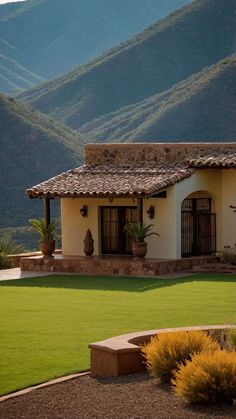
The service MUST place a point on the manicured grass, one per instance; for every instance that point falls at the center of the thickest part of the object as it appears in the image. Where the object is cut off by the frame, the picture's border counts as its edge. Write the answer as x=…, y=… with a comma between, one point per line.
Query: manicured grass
x=47, y=323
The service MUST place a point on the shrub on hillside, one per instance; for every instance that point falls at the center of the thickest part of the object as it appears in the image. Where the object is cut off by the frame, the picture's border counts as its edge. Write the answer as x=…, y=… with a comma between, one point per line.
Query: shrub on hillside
x=165, y=351
x=207, y=378
x=8, y=247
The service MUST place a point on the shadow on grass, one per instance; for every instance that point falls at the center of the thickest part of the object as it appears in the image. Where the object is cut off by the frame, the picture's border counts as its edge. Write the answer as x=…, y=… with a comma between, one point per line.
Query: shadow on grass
x=109, y=283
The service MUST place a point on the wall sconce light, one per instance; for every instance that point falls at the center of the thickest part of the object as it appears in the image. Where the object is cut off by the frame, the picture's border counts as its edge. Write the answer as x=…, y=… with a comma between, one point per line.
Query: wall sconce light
x=84, y=211
x=151, y=212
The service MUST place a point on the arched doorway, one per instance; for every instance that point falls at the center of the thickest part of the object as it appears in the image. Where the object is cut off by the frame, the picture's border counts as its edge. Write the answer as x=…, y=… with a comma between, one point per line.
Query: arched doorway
x=198, y=225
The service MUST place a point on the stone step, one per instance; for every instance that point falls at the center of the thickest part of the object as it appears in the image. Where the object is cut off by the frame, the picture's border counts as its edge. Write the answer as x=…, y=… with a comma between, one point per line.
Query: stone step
x=215, y=268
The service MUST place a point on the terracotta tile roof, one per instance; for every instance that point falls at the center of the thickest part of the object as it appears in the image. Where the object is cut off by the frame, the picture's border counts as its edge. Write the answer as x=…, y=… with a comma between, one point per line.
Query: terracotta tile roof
x=133, y=170
x=109, y=182
x=214, y=160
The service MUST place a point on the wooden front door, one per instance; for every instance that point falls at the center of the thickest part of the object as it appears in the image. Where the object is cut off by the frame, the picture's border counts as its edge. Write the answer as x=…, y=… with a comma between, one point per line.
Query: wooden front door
x=114, y=239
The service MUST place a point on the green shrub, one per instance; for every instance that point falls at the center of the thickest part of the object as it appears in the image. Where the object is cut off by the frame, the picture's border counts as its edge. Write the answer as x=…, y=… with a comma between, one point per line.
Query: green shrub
x=8, y=247
x=5, y=263
x=228, y=255
x=166, y=350
x=207, y=378
x=44, y=230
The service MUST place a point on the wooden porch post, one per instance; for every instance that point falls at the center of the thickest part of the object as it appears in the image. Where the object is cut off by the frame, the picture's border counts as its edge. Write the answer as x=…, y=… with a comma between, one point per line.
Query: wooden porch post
x=140, y=210
x=47, y=210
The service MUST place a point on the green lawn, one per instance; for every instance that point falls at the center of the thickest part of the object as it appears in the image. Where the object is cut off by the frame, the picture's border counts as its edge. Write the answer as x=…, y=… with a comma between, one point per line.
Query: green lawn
x=47, y=323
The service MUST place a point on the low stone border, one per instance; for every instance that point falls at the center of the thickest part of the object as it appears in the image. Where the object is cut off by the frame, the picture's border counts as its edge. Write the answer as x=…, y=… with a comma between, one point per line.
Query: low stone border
x=46, y=384
x=121, y=354
x=112, y=265
x=16, y=258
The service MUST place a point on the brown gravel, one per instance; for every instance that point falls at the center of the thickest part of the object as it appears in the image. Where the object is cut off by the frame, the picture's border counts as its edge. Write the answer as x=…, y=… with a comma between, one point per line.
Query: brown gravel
x=133, y=396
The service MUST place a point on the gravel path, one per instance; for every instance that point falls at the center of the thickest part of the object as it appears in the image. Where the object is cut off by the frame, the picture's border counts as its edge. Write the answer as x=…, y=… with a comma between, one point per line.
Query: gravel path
x=134, y=396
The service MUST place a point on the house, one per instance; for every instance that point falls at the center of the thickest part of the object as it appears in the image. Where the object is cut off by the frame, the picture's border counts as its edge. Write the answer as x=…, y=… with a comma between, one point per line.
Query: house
x=184, y=190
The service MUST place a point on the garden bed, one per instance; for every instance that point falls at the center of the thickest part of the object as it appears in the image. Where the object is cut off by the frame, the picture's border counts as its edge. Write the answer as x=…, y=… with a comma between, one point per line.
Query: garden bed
x=130, y=396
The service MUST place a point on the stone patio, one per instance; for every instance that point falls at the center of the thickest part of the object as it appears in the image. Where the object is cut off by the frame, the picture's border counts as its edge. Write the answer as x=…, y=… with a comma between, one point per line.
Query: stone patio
x=112, y=265
x=16, y=273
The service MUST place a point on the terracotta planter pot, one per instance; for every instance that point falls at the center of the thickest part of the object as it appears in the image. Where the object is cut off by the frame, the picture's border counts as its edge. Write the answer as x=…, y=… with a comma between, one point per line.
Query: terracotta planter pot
x=47, y=247
x=139, y=249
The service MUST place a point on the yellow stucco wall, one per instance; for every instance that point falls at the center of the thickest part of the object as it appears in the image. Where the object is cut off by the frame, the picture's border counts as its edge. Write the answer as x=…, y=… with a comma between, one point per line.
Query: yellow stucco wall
x=201, y=184
x=220, y=185
x=228, y=216
x=74, y=226
x=164, y=223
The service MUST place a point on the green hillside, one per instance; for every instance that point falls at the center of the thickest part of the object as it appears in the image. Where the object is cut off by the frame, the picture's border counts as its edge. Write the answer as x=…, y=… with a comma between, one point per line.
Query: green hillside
x=50, y=37
x=33, y=148
x=15, y=77
x=202, y=108
x=168, y=52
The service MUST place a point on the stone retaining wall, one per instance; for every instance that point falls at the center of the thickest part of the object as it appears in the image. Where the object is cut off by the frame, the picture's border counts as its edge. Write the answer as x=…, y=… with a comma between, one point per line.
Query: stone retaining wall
x=15, y=259
x=121, y=354
x=103, y=265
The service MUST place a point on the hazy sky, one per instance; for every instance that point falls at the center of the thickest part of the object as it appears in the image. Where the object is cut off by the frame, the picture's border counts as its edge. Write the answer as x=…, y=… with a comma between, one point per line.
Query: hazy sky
x=8, y=1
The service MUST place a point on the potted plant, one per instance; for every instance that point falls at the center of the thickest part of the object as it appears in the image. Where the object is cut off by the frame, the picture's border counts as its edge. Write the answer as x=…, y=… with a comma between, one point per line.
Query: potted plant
x=47, y=235
x=139, y=232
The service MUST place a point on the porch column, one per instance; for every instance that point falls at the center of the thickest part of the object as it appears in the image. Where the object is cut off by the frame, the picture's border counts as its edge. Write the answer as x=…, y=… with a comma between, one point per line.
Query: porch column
x=47, y=215
x=140, y=210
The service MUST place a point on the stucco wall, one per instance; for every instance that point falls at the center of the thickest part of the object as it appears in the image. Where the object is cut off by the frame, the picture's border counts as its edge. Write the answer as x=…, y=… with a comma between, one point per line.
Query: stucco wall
x=228, y=198
x=163, y=247
x=220, y=185
x=202, y=183
x=74, y=226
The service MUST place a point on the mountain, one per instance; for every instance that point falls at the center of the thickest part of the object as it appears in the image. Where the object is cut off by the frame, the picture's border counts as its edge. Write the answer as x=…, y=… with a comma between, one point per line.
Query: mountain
x=168, y=52
x=33, y=148
x=15, y=77
x=204, y=104
x=7, y=8
x=50, y=37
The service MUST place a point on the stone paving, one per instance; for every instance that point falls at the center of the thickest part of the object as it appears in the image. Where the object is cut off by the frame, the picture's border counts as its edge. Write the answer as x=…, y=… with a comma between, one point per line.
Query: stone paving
x=16, y=273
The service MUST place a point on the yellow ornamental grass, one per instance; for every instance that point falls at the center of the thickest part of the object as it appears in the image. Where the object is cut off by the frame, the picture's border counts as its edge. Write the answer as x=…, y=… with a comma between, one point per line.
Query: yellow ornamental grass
x=165, y=351
x=207, y=378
